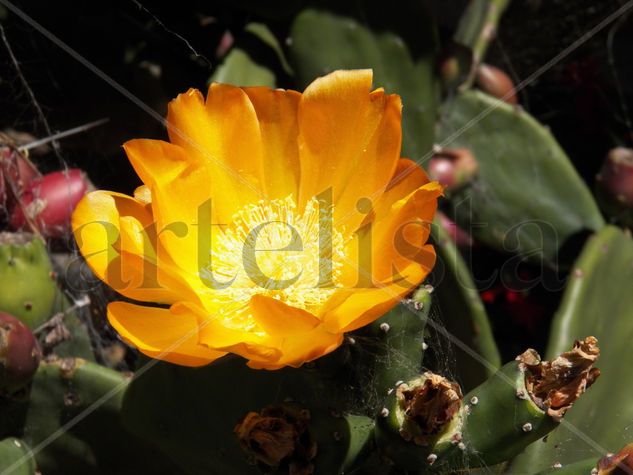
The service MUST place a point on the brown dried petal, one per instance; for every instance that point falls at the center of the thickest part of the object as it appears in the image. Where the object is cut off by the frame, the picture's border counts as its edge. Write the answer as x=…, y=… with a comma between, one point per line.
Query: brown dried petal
x=555, y=385
x=617, y=464
x=278, y=436
x=428, y=407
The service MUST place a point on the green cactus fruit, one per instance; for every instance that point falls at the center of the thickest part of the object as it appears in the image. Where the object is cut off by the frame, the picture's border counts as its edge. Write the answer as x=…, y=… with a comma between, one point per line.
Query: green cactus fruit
x=290, y=439
x=403, y=63
x=524, y=177
x=419, y=422
x=15, y=458
x=74, y=426
x=462, y=313
x=597, y=301
x=19, y=354
x=428, y=424
x=27, y=279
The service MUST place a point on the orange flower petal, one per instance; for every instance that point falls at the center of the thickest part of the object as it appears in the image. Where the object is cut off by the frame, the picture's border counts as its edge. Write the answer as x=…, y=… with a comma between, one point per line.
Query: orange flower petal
x=301, y=348
x=215, y=334
x=400, y=234
x=350, y=309
x=278, y=319
x=160, y=334
x=114, y=234
x=349, y=141
x=224, y=134
x=277, y=115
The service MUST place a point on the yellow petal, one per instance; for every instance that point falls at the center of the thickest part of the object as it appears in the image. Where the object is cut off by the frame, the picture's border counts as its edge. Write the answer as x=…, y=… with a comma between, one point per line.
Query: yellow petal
x=224, y=134
x=349, y=141
x=277, y=115
x=278, y=319
x=114, y=234
x=160, y=334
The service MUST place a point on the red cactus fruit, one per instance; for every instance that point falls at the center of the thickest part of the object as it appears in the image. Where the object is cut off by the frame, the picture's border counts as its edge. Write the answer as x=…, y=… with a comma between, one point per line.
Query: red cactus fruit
x=49, y=201
x=454, y=167
x=19, y=354
x=615, y=179
x=497, y=83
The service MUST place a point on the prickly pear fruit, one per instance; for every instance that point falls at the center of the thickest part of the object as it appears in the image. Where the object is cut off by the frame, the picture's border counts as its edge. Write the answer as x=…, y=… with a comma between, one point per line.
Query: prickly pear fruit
x=614, y=184
x=420, y=421
x=496, y=82
x=18, y=170
x=49, y=201
x=453, y=168
x=19, y=354
x=27, y=279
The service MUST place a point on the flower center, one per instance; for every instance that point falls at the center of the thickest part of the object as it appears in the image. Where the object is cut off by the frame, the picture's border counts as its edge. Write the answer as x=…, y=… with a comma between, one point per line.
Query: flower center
x=270, y=248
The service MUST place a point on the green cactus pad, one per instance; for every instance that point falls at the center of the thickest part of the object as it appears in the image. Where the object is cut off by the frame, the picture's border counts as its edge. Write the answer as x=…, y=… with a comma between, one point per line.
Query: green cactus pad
x=248, y=62
x=527, y=198
x=96, y=442
x=316, y=48
x=598, y=301
x=191, y=413
x=15, y=458
x=27, y=279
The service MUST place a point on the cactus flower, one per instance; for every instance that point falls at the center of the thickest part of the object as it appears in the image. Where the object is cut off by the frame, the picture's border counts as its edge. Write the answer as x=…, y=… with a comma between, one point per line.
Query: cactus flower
x=272, y=223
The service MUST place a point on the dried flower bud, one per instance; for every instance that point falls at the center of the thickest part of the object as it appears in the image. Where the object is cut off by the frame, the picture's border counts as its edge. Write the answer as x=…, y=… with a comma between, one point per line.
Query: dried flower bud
x=555, y=385
x=278, y=436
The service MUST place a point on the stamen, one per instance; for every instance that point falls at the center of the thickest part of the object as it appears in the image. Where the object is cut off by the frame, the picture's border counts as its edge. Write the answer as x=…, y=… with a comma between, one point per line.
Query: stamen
x=270, y=248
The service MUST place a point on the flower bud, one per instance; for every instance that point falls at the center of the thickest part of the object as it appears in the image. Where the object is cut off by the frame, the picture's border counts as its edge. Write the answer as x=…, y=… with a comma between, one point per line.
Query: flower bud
x=49, y=201
x=497, y=83
x=19, y=354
